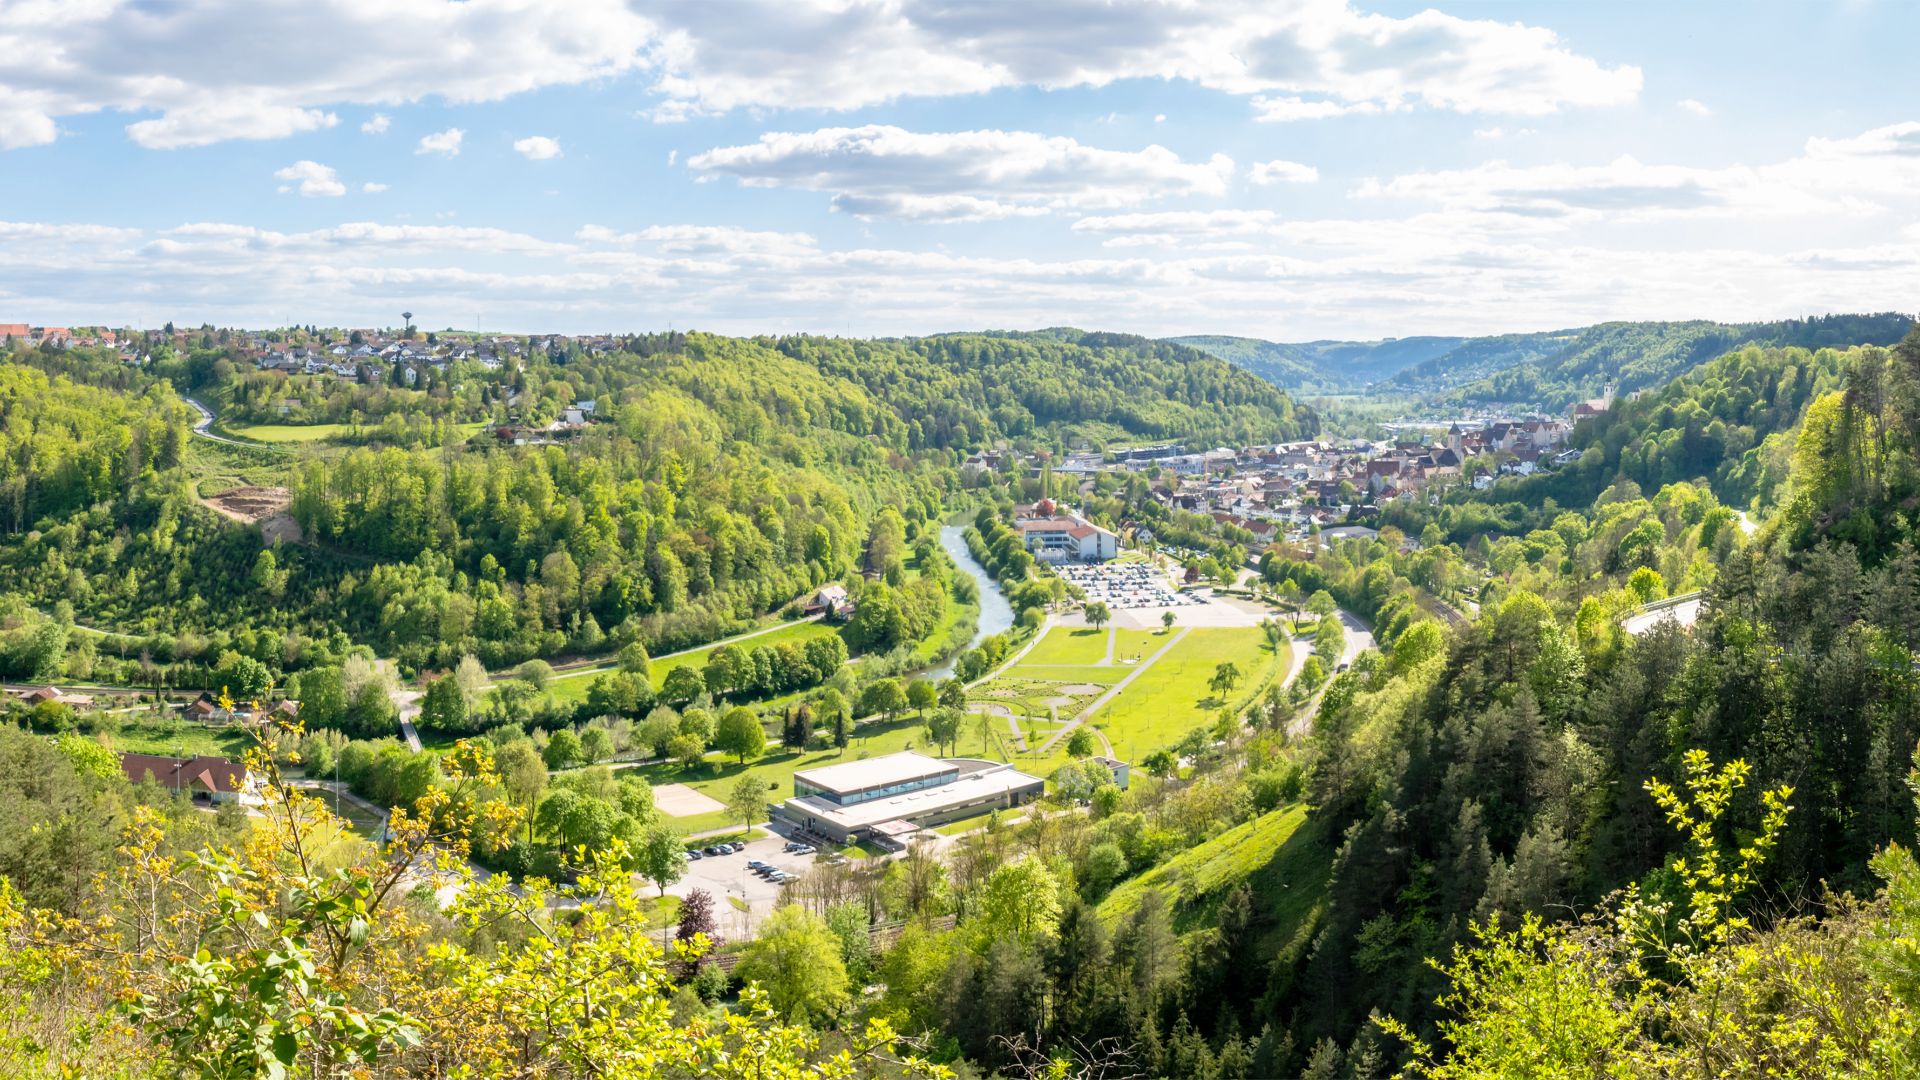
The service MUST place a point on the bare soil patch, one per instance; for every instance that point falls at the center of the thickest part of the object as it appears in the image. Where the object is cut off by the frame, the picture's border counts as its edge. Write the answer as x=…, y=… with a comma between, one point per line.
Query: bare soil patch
x=679, y=800
x=262, y=506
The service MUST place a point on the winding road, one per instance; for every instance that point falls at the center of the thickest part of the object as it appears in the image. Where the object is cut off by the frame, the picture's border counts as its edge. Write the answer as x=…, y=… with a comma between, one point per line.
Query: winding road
x=202, y=426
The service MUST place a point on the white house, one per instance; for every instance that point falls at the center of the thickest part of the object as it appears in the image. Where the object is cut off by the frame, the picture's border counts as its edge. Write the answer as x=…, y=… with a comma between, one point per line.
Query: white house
x=1066, y=539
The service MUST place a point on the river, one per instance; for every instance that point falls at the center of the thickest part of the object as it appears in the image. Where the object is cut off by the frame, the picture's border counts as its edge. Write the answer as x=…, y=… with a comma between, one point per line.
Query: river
x=996, y=614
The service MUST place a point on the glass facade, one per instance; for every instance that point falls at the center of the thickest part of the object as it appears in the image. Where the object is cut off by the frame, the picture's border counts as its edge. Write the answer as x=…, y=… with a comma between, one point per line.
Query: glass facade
x=802, y=788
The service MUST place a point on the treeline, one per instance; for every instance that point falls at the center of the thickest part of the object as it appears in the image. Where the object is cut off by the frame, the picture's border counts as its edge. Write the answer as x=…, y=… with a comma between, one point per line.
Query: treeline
x=65, y=446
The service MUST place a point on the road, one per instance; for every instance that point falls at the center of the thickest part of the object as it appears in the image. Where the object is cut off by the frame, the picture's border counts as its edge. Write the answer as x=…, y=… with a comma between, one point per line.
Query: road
x=201, y=427
x=601, y=667
x=1359, y=640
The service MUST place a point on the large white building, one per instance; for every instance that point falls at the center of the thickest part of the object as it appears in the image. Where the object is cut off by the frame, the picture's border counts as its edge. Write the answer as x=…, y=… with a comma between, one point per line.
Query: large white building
x=1068, y=539
x=888, y=798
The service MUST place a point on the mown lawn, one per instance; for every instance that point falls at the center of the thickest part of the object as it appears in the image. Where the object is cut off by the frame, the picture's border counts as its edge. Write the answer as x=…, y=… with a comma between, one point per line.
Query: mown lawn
x=1172, y=696
x=1070, y=645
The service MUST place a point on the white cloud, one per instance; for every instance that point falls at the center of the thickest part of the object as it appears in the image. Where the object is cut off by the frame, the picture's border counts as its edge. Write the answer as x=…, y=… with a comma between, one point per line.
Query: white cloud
x=1305, y=58
x=377, y=124
x=1159, y=118
x=238, y=118
x=372, y=187
x=1844, y=177
x=1697, y=108
x=537, y=148
x=1284, y=109
x=441, y=142
x=202, y=70
x=249, y=69
x=313, y=179
x=1225, y=272
x=1282, y=172
x=880, y=171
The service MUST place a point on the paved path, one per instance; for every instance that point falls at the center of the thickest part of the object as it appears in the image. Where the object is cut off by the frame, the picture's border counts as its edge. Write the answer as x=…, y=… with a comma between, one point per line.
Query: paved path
x=1045, y=629
x=1112, y=692
x=602, y=667
x=1359, y=640
x=1113, y=635
x=205, y=422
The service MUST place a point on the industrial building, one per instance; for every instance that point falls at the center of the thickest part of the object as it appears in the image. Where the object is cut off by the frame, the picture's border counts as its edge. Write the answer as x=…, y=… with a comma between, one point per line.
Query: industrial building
x=886, y=799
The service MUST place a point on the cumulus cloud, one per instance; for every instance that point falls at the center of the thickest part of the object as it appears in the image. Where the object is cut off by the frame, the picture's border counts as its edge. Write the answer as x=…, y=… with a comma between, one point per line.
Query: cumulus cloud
x=311, y=178
x=537, y=148
x=1304, y=58
x=1697, y=108
x=881, y=171
x=237, y=118
x=377, y=124
x=199, y=68
x=373, y=187
x=446, y=143
x=1282, y=172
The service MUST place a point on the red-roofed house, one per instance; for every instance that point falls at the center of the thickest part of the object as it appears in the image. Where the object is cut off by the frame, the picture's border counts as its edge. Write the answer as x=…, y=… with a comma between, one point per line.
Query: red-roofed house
x=206, y=779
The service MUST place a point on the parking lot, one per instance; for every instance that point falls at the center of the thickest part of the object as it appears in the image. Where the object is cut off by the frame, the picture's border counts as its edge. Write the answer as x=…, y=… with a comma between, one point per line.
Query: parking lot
x=1124, y=586
x=728, y=876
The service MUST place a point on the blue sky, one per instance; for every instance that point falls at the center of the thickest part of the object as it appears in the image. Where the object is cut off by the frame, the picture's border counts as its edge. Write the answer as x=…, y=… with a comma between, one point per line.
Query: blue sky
x=1282, y=170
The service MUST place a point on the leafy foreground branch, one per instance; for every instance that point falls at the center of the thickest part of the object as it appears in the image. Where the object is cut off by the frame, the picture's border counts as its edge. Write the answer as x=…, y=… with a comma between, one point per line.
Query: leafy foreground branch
x=303, y=953
x=1682, y=983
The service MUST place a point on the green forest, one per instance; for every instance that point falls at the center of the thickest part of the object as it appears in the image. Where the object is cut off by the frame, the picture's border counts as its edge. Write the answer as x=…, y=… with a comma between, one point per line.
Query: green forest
x=1513, y=838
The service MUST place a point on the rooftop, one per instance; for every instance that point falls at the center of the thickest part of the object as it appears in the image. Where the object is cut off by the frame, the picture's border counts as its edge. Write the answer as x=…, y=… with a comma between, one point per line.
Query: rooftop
x=867, y=773
x=996, y=781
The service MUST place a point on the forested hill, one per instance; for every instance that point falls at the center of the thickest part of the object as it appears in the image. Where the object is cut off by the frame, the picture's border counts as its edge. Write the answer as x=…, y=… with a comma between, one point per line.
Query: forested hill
x=1730, y=422
x=1410, y=363
x=957, y=389
x=722, y=478
x=1636, y=355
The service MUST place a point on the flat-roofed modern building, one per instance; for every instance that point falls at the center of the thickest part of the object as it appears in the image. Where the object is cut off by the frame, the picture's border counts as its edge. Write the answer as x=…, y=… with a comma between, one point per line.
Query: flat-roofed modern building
x=887, y=798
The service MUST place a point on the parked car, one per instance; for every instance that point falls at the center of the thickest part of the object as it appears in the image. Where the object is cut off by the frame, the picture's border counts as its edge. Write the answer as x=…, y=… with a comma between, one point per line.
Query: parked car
x=716, y=850
x=692, y=854
x=688, y=855
x=736, y=847
x=755, y=864
x=803, y=849
x=793, y=845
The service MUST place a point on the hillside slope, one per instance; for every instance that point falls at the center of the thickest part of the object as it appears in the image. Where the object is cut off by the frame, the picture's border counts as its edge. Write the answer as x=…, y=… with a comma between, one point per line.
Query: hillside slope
x=1419, y=364
x=1635, y=355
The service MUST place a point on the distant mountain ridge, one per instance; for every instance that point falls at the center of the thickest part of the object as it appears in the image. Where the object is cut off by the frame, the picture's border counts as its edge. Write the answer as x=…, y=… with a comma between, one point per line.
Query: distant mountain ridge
x=1426, y=363
x=1550, y=369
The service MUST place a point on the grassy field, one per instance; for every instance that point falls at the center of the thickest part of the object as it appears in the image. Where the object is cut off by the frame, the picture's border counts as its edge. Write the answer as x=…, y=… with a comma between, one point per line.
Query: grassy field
x=1076, y=646
x=1172, y=696
x=1069, y=645
x=289, y=433
x=180, y=737
x=1279, y=854
x=305, y=433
